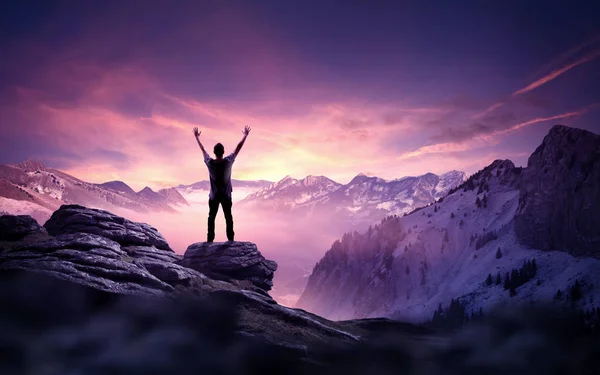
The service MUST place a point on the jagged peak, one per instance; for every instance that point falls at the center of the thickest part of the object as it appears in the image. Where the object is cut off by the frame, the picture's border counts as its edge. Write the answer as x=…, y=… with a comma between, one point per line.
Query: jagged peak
x=31, y=165
x=504, y=163
x=562, y=133
x=315, y=180
x=146, y=190
x=361, y=177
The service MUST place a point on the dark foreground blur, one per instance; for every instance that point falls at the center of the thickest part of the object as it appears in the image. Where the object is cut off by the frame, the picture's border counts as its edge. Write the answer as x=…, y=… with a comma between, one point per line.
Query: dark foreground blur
x=52, y=327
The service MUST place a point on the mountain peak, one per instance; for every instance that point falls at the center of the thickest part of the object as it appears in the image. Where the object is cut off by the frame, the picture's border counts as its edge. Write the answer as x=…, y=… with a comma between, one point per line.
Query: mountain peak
x=146, y=190
x=315, y=180
x=31, y=165
x=361, y=177
x=563, y=135
x=118, y=186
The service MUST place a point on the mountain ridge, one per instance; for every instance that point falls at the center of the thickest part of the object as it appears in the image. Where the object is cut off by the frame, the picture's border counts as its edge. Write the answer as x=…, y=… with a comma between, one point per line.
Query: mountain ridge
x=406, y=266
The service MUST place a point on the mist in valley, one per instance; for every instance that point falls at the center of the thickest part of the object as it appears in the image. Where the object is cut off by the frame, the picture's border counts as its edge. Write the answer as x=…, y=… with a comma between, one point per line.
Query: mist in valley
x=295, y=241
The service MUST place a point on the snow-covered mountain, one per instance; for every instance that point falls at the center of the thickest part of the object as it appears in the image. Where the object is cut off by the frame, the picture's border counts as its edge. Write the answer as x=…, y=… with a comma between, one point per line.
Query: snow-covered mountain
x=119, y=186
x=173, y=197
x=489, y=227
x=198, y=191
x=290, y=193
x=32, y=188
x=363, y=199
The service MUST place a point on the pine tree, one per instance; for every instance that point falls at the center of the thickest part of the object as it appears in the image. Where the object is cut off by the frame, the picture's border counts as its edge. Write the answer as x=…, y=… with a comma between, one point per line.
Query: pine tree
x=478, y=202
x=407, y=270
x=512, y=292
x=498, y=279
x=506, y=281
x=575, y=291
x=498, y=254
x=452, y=215
x=435, y=209
x=485, y=201
x=489, y=280
x=558, y=295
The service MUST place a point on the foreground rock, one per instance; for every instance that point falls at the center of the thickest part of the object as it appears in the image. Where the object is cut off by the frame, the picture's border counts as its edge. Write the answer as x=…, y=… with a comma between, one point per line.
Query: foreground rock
x=231, y=260
x=559, y=204
x=112, y=259
x=98, y=249
x=14, y=228
x=79, y=219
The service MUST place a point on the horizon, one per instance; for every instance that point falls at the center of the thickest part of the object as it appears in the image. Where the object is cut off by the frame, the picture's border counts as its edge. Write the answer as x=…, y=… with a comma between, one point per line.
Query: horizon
x=425, y=90
x=138, y=189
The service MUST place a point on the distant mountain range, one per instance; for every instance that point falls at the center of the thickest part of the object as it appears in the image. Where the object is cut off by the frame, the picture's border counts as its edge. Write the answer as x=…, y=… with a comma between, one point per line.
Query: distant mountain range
x=507, y=234
x=363, y=198
x=32, y=188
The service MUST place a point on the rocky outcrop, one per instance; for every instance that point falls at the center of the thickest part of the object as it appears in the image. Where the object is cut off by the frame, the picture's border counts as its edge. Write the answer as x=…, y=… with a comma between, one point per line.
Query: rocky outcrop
x=98, y=249
x=92, y=258
x=79, y=219
x=559, y=203
x=231, y=260
x=14, y=228
x=86, y=259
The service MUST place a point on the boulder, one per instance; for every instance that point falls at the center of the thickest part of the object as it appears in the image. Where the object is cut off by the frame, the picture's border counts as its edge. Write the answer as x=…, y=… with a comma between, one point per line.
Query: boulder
x=13, y=228
x=85, y=259
x=79, y=219
x=559, y=201
x=231, y=260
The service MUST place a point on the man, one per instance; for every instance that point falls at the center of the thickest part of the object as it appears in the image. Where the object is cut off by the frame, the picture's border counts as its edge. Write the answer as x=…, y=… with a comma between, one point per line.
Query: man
x=219, y=170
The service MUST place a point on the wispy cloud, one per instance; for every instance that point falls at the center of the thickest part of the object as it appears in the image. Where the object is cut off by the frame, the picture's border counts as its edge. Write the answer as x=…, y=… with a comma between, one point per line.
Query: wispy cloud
x=556, y=73
x=488, y=110
x=478, y=135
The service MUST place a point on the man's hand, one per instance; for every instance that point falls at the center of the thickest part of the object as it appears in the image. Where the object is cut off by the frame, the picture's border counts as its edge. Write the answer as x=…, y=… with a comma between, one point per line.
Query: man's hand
x=239, y=146
x=197, y=135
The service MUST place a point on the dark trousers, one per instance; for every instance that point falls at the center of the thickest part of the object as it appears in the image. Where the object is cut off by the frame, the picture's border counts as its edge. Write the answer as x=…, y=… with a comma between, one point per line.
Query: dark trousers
x=213, y=205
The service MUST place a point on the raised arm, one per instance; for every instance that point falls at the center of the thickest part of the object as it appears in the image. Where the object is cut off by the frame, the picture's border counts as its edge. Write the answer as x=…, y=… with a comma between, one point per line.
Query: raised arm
x=197, y=135
x=241, y=144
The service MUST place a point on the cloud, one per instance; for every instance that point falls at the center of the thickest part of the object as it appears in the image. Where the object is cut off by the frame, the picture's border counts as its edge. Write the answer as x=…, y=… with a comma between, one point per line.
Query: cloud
x=556, y=73
x=353, y=124
x=488, y=110
x=479, y=135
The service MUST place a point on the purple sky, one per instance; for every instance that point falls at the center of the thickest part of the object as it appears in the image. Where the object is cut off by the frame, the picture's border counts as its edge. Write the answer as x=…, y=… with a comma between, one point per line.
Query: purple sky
x=110, y=90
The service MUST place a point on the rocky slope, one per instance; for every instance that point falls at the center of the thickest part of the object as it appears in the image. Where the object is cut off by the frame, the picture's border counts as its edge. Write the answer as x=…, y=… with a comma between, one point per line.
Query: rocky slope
x=407, y=265
x=559, y=202
x=93, y=293
x=112, y=255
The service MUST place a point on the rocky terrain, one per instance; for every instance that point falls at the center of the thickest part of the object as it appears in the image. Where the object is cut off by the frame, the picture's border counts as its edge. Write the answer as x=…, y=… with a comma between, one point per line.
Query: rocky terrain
x=469, y=243
x=99, y=250
x=559, y=200
x=94, y=293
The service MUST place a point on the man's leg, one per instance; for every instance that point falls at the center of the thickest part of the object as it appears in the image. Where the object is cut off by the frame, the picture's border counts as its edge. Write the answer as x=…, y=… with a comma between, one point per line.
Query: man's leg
x=226, y=203
x=213, y=208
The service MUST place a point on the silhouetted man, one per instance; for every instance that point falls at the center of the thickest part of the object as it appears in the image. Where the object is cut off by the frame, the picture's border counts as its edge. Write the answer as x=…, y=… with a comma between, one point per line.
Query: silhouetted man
x=219, y=170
